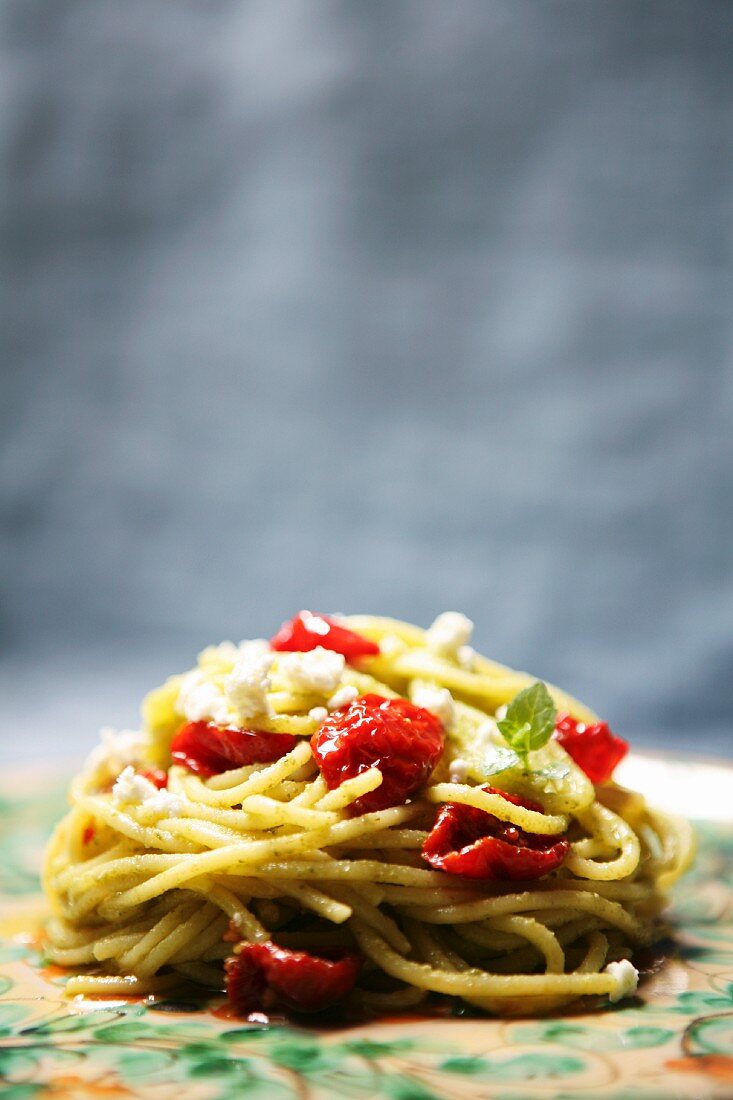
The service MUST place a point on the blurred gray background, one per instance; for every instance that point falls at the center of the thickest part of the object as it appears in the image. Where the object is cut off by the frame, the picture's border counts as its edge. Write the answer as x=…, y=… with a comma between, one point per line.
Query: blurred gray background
x=394, y=307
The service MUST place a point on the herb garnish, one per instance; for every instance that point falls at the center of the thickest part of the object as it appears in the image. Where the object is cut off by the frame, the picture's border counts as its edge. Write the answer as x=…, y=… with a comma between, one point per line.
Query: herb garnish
x=529, y=722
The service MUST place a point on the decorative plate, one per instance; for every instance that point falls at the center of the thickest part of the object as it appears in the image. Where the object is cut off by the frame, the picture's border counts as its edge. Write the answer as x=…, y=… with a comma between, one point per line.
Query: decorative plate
x=674, y=1040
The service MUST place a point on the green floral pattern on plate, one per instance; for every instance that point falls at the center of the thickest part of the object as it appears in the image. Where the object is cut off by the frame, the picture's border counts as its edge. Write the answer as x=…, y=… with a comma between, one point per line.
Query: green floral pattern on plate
x=680, y=1028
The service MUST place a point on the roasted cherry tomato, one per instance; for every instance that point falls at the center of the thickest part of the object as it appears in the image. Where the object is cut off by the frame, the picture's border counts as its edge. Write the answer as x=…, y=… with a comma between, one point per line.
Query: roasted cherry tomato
x=593, y=747
x=156, y=776
x=307, y=631
x=470, y=842
x=402, y=740
x=263, y=976
x=208, y=749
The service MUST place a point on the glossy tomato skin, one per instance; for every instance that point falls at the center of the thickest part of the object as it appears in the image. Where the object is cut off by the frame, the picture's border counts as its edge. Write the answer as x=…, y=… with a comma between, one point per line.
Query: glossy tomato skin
x=263, y=976
x=404, y=741
x=469, y=842
x=156, y=776
x=208, y=749
x=593, y=747
x=306, y=631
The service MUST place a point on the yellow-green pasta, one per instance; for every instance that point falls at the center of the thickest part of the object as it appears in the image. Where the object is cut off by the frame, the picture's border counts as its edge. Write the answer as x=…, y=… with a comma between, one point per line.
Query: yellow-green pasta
x=164, y=858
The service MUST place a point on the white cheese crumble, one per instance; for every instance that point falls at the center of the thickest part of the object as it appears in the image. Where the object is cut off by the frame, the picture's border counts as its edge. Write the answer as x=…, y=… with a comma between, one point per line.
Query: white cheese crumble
x=448, y=633
x=199, y=699
x=626, y=979
x=343, y=697
x=501, y=712
x=318, y=671
x=132, y=788
x=458, y=770
x=318, y=714
x=164, y=803
x=438, y=700
x=315, y=624
x=247, y=684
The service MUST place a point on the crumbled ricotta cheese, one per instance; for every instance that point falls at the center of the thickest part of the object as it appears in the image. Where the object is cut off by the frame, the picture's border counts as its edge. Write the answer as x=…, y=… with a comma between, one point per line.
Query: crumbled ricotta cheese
x=448, y=633
x=343, y=697
x=317, y=671
x=501, y=712
x=466, y=657
x=164, y=803
x=438, y=700
x=200, y=699
x=247, y=684
x=117, y=750
x=132, y=788
x=626, y=979
x=318, y=714
x=458, y=770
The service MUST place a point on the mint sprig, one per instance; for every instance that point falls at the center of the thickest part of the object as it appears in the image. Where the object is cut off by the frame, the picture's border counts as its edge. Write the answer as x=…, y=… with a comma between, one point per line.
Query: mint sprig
x=529, y=722
x=498, y=761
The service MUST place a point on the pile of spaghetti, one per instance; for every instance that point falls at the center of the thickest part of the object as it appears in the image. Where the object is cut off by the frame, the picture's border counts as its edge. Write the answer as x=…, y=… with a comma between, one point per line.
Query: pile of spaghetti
x=359, y=811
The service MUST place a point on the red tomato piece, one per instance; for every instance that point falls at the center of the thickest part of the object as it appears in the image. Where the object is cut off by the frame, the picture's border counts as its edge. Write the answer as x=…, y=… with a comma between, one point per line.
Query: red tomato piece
x=263, y=976
x=208, y=749
x=470, y=842
x=307, y=631
x=402, y=740
x=593, y=747
x=156, y=776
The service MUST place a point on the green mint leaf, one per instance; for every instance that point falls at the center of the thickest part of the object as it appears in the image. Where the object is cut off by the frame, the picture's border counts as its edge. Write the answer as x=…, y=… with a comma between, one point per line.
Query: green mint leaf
x=530, y=721
x=500, y=760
